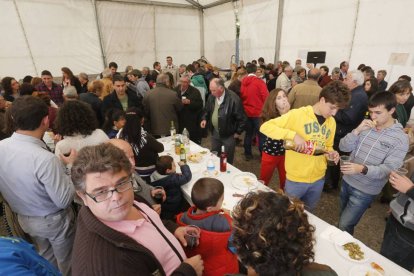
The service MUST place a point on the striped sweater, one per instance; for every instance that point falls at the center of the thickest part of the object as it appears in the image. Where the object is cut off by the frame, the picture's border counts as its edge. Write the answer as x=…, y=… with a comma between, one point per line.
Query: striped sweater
x=381, y=151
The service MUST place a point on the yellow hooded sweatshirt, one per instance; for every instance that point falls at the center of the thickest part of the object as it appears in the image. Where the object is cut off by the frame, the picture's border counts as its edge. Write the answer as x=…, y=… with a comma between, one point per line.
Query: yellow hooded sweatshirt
x=302, y=121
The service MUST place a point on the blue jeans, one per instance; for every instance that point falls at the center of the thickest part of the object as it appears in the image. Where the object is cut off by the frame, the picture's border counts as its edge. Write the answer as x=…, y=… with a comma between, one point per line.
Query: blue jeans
x=398, y=244
x=309, y=193
x=252, y=128
x=353, y=206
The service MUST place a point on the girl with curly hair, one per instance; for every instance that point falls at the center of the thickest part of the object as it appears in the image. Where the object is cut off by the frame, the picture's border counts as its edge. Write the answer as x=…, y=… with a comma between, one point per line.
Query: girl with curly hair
x=273, y=236
x=77, y=124
x=144, y=145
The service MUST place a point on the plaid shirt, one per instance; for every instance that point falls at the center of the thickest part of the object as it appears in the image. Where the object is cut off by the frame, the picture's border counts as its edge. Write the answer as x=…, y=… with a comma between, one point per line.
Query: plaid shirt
x=56, y=93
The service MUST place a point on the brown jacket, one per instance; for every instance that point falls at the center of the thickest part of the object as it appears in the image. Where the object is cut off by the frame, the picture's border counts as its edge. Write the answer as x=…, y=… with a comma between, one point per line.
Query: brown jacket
x=100, y=250
x=304, y=94
x=162, y=106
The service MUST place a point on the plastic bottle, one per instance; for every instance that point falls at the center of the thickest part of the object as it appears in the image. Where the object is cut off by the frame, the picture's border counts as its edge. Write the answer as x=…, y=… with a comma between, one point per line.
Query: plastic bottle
x=223, y=160
x=173, y=132
x=177, y=144
x=183, y=157
x=210, y=166
x=186, y=140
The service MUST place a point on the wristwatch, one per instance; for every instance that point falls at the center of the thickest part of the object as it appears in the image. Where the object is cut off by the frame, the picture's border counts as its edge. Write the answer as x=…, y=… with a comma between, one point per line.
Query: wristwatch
x=364, y=170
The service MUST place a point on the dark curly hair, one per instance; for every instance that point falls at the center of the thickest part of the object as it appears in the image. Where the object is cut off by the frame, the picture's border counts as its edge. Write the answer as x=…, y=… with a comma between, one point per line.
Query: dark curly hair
x=75, y=117
x=272, y=235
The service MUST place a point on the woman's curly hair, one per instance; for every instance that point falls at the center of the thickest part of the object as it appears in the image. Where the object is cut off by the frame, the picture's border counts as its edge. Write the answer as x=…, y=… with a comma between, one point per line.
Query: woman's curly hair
x=272, y=234
x=75, y=117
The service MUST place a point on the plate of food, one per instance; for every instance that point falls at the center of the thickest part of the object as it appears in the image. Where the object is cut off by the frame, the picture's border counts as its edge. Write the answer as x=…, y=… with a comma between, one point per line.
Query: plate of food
x=353, y=250
x=245, y=181
x=195, y=157
x=372, y=269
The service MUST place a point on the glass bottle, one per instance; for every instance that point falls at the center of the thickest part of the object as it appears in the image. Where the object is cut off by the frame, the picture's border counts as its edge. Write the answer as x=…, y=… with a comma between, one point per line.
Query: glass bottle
x=311, y=148
x=177, y=144
x=223, y=160
x=183, y=157
x=173, y=132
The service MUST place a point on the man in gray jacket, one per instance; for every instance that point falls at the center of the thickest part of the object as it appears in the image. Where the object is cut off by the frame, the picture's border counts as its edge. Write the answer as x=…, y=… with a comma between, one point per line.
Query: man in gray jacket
x=34, y=183
x=398, y=243
x=378, y=146
x=162, y=106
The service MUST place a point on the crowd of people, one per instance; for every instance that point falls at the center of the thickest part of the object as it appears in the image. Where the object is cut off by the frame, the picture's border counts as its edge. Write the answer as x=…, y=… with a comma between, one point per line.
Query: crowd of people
x=102, y=174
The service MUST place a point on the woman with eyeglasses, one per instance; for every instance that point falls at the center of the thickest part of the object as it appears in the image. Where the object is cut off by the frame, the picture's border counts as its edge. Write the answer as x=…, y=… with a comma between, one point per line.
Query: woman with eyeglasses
x=117, y=234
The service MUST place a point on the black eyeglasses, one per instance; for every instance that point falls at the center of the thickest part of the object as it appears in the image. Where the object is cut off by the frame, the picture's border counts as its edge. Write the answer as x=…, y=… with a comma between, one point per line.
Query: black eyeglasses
x=107, y=194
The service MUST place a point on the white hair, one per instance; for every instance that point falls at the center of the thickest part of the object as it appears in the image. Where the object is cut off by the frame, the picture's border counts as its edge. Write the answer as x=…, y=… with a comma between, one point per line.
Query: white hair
x=357, y=77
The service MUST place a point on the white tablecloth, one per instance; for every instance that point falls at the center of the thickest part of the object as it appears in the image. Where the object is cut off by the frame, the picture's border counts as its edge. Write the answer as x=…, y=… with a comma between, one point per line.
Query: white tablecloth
x=325, y=250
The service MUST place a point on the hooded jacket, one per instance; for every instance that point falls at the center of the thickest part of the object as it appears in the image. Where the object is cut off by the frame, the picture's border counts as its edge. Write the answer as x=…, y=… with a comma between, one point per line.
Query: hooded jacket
x=253, y=93
x=381, y=151
x=172, y=185
x=302, y=121
x=213, y=245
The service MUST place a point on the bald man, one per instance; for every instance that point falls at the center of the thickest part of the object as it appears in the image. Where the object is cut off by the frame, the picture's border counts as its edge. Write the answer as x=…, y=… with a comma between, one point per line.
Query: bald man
x=140, y=186
x=306, y=93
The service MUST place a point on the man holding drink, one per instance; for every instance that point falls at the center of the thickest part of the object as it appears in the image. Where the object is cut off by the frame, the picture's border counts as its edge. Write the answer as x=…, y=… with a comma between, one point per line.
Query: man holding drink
x=378, y=146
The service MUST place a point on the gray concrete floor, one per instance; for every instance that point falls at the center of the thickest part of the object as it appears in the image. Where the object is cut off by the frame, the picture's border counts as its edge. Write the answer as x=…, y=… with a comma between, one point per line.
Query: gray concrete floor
x=369, y=230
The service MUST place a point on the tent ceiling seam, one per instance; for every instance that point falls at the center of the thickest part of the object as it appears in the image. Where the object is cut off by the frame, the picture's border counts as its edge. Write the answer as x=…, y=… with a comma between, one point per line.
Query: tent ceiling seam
x=25, y=36
x=98, y=26
x=354, y=31
x=152, y=3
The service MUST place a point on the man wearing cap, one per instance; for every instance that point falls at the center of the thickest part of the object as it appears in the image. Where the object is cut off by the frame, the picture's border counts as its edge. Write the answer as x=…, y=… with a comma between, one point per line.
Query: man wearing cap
x=54, y=90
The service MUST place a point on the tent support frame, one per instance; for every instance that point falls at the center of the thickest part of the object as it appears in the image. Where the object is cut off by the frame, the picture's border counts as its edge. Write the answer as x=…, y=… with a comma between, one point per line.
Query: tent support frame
x=104, y=61
x=25, y=37
x=279, y=30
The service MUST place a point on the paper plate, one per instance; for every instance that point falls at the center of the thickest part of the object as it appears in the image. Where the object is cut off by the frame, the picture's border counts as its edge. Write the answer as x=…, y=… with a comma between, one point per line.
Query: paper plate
x=245, y=181
x=363, y=270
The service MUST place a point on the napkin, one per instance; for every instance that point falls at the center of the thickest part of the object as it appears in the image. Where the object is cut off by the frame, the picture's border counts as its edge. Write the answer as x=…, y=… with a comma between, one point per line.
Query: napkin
x=331, y=233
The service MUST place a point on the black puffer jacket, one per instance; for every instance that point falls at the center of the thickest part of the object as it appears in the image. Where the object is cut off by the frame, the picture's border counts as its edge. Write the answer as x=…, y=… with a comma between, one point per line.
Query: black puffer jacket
x=232, y=118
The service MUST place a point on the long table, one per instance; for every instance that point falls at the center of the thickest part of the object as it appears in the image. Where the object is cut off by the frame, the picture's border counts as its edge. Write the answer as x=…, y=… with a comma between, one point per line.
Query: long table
x=326, y=252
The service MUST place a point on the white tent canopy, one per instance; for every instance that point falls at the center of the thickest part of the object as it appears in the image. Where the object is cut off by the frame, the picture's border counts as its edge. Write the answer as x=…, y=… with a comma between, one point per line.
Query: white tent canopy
x=84, y=35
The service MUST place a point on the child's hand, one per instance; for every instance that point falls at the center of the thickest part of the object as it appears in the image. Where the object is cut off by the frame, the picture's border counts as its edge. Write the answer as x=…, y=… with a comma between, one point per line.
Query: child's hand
x=181, y=163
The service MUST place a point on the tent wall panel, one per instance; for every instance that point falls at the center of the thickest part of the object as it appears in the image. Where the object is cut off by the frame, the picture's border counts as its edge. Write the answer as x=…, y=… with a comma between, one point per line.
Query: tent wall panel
x=15, y=57
x=258, y=29
x=127, y=33
x=320, y=25
x=384, y=27
x=177, y=35
x=219, y=34
x=61, y=33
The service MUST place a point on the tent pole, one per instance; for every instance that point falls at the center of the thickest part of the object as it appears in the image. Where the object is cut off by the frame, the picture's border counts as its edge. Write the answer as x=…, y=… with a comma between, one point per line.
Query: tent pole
x=353, y=35
x=104, y=61
x=155, y=33
x=279, y=30
x=25, y=37
x=201, y=13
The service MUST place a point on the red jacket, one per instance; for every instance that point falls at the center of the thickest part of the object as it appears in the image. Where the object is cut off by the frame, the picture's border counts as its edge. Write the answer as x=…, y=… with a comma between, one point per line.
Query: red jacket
x=218, y=260
x=253, y=93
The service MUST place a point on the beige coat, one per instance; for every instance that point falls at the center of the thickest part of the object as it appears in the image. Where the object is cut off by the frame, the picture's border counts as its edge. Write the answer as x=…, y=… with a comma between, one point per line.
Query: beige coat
x=303, y=94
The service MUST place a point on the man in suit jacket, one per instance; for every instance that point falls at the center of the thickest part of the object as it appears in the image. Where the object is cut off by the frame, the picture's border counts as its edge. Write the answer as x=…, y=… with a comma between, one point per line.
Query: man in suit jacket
x=189, y=116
